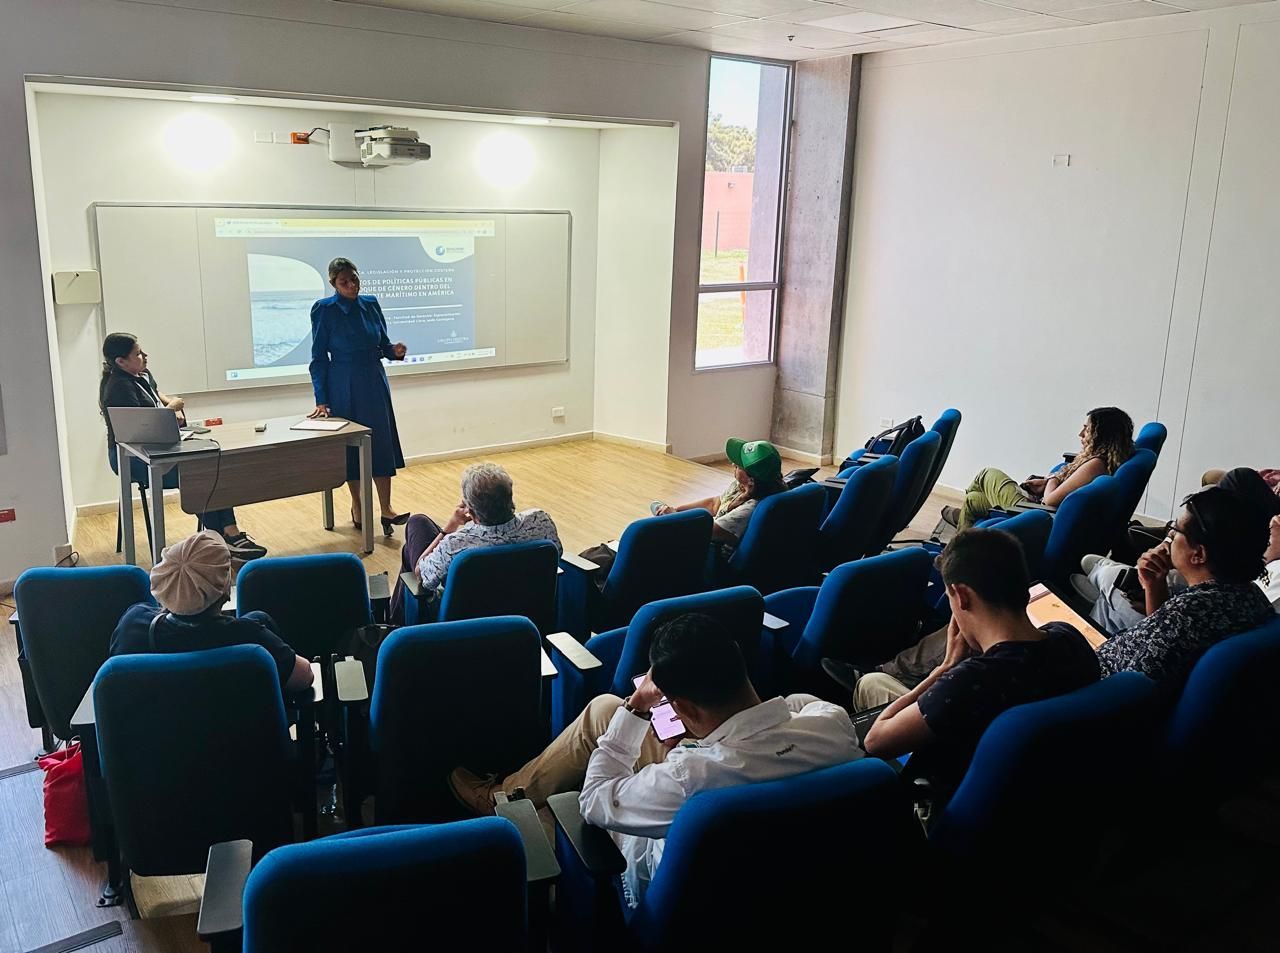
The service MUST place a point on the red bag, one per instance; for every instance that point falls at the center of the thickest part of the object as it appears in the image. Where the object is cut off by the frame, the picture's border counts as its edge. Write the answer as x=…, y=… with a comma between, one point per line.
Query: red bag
x=66, y=805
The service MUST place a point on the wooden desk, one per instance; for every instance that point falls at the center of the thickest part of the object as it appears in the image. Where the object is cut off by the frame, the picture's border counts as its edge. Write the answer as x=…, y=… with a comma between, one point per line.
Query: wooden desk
x=251, y=467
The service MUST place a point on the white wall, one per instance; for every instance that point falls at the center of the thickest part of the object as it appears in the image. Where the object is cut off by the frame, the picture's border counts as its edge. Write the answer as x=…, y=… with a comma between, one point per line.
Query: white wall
x=984, y=277
x=435, y=412
x=633, y=287
x=326, y=51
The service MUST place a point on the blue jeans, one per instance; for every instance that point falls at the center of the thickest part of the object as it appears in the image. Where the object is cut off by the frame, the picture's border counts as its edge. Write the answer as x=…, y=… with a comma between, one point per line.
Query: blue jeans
x=213, y=519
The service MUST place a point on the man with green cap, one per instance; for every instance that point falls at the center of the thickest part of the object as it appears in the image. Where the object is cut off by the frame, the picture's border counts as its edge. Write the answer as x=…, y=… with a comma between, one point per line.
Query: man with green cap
x=757, y=473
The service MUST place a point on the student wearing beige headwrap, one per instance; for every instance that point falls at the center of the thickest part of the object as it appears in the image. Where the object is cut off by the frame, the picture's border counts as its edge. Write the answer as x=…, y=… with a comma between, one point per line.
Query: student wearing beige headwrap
x=191, y=583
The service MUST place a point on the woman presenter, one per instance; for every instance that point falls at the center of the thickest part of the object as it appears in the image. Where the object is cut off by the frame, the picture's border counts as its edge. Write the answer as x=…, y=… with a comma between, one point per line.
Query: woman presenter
x=348, y=342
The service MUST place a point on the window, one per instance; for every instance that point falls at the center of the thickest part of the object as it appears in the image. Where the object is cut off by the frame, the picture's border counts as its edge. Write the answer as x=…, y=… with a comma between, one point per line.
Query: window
x=748, y=107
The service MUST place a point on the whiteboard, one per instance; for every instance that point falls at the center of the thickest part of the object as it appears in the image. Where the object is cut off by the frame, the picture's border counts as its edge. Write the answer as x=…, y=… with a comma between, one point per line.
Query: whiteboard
x=222, y=294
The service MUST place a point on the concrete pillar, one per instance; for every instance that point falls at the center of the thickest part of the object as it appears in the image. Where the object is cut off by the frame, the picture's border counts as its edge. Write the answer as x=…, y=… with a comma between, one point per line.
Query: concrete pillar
x=814, y=254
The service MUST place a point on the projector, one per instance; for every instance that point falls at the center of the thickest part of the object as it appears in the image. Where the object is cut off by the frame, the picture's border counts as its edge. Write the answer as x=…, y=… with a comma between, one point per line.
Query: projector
x=390, y=145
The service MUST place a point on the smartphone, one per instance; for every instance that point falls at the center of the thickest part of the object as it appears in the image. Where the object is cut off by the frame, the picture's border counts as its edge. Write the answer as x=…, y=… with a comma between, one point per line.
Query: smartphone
x=666, y=724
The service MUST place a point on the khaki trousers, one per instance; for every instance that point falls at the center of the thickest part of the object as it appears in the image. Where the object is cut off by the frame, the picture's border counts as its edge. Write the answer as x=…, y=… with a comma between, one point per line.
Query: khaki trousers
x=912, y=666
x=563, y=765
x=875, y=689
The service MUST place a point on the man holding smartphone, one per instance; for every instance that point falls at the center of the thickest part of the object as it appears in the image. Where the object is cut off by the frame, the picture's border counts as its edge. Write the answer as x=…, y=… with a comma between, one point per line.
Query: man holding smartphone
x=633, y=784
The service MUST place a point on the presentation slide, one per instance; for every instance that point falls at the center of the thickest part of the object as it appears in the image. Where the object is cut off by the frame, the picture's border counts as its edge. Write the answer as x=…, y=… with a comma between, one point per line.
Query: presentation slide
x=422, y=271
x=225, y=293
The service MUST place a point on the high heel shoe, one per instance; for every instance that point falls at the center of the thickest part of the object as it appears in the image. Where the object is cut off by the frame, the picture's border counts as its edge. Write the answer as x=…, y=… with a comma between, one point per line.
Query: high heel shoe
x=394, y=521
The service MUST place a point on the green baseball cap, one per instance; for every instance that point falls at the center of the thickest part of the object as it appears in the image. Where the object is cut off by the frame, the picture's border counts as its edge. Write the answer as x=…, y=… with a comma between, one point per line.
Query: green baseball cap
x=759, y=458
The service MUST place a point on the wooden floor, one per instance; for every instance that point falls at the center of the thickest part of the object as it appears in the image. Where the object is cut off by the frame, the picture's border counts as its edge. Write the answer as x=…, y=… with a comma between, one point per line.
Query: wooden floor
x=592, y=490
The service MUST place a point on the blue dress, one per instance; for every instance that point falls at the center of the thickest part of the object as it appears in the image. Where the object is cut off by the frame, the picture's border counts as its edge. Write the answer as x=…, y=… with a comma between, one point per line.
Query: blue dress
x=348, y=341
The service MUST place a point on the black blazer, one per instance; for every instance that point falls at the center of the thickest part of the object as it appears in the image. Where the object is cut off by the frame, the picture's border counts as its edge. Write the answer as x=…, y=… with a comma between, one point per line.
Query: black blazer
x=125, y=390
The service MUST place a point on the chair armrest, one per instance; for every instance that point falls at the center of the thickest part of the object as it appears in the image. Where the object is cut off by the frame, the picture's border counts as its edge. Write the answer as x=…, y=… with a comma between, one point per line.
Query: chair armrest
x=1068, y=457
x=835, y=483
x=348, y=673
x=539, y=858
x=774, y=623
x=317, y=681
x=574, y=652
x=614, y=544
x=867, y=457
x=578, y=563
x=85, y=716
x=549, y=669
x=1027, y=505
x=13, y=618
x=593, y=845
x=225, y=873
x=413, y=583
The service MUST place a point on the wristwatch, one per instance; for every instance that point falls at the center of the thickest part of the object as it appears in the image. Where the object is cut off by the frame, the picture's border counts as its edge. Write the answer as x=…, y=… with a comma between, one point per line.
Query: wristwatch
x=646, y=715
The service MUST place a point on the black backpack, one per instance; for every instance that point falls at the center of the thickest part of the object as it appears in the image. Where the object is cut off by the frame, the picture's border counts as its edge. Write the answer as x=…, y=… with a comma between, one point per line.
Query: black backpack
x=891, y=441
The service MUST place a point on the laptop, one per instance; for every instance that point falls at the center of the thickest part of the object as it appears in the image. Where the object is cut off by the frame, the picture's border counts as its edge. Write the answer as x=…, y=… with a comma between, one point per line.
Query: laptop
x=155, y=429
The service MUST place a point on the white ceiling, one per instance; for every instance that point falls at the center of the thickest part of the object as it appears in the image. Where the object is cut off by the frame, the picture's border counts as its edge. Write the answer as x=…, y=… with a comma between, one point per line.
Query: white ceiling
x=800, y=29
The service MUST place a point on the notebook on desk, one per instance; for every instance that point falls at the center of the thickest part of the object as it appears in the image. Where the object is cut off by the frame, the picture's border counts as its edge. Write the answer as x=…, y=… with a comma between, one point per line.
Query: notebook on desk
x=328, y=424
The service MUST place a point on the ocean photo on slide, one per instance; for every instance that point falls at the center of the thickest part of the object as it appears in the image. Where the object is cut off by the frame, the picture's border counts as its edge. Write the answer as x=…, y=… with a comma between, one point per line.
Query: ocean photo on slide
x=281, y=292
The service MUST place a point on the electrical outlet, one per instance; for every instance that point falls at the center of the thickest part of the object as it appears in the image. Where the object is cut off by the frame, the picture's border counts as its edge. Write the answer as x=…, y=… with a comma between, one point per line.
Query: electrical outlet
x=263, y=137
x=557, y=413
x=61, y=552
x=886, y=423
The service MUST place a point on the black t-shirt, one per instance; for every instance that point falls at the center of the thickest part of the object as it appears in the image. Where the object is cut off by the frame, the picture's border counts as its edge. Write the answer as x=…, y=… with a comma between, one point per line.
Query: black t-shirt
x=960, y=705
x=176, y=633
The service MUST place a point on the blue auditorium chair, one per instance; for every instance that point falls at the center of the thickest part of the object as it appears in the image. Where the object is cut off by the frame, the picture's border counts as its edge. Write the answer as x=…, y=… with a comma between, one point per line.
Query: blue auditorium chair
x=1151, y=437
x=388, y=888
x=67, y=618
x=450, y=694
x=315, y=601
x=512, y=579
x=1084, y=523
x=778, y=549
x=864, y=612
x=657, y=558
x=195, y=750
x=857, y=513
x=750, y=862
x=608, y=662
x=914, y=467
x=1221, y=734
x=1045, y=785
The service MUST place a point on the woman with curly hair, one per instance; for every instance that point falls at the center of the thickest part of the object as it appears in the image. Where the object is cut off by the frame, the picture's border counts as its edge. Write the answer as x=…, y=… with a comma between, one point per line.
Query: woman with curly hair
x=1106, y=441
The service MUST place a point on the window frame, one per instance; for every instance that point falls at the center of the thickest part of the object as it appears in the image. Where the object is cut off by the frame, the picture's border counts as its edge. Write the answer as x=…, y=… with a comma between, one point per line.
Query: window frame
x=784, y=190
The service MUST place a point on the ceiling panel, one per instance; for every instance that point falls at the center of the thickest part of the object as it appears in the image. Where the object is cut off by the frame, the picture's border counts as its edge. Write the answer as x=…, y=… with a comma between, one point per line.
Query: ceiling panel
x=1029, y=23
x=472, y=9
x=643, y=11
x=801, y=29
x=750, y=8
x=1120, y=11
x=776, y=31
x=946, y=12
x=848, y=21
x=621, y=29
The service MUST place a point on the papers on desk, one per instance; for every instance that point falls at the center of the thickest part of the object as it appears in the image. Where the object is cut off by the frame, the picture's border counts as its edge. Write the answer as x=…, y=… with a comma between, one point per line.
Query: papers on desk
x=319, y=423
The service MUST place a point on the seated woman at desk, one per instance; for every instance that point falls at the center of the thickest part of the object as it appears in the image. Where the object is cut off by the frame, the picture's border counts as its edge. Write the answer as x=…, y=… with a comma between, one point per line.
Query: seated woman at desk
x=126, y=382
x=1106, y=441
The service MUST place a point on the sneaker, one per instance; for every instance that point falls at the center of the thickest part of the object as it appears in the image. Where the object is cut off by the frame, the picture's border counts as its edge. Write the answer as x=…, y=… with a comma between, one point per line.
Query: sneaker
x=1085, y=589
x=474, y=792
x=244, y=548
x=1087, y=563
x=842, y=673
x=951, y=515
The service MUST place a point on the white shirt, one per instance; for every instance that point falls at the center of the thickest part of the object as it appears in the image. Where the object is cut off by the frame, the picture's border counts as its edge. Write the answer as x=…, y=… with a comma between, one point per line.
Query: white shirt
x=1271, y=588
x=775, y=739
x=524, y=527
